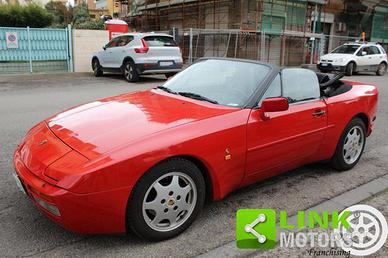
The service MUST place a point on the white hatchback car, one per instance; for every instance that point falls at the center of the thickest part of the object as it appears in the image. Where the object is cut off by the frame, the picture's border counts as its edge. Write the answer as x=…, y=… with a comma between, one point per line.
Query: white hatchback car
x=355, y=57
x=134, y=54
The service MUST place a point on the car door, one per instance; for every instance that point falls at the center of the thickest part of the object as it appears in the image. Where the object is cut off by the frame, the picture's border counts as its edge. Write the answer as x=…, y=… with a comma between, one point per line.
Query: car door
x=377, y=57
x=106, y=60
x=365, y=59
x=118, y=53
x=289, y=138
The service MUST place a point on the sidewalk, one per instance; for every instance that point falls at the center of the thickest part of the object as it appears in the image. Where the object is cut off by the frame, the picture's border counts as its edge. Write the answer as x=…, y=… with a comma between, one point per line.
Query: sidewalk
x=373, y=193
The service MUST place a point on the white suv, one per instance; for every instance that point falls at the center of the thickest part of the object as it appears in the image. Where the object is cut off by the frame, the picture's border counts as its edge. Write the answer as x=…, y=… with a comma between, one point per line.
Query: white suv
x=134, y=54
x=355, y=57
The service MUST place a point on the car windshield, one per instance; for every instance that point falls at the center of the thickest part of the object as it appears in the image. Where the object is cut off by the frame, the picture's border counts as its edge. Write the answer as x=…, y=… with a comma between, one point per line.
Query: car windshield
x=224, y=82
x=346, y=49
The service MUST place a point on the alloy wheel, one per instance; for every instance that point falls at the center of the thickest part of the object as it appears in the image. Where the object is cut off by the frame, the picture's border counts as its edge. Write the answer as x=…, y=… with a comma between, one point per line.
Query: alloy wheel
x=169, y=201
x=353, y=144
x=382, y=68
x=128, y=71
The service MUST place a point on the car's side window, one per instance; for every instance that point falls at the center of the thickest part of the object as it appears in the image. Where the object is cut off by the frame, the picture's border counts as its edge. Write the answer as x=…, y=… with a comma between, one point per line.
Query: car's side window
x=367, y=50
x=274, y=90
x=374, y=50
x=113, y=42
x=299, y=85
x=124, y=40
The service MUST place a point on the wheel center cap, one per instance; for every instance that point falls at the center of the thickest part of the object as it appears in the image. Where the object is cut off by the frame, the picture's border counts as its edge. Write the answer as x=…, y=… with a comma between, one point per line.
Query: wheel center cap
x=171, y=202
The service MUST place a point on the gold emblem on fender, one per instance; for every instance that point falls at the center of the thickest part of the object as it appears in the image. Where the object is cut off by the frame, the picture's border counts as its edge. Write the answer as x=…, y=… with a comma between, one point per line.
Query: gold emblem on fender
x=228, y=156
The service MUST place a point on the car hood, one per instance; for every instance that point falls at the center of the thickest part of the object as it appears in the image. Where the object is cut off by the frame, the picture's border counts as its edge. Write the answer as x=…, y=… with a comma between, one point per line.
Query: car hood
x=335, y=56
x=97, y=127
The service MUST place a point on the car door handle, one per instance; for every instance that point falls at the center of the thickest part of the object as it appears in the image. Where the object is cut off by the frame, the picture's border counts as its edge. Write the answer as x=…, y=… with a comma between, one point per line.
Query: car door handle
x=319, y=113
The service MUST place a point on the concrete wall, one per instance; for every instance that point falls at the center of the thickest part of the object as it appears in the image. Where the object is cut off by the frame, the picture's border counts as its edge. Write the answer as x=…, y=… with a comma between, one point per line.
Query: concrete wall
x=85, y=43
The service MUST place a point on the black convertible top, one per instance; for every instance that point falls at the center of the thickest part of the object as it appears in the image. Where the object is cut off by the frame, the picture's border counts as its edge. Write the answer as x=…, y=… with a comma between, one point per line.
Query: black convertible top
x=331, y=85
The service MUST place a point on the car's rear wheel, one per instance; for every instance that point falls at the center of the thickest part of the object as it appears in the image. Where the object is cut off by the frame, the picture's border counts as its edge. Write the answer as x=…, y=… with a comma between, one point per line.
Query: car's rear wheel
x=349, y=70
x=166, y=200
x=351, y=145
x=97, y=68
x=382, y=69
x=130, y=73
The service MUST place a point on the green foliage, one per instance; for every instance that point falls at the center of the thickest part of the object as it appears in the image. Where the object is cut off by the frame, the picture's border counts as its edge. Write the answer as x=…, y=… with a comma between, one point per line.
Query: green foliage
x=82, y=20
x=91, y=25
x=62, y=15
x=33, y=15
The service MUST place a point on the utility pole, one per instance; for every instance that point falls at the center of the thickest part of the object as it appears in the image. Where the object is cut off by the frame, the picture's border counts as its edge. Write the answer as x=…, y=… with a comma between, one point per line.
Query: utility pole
x=314, y=29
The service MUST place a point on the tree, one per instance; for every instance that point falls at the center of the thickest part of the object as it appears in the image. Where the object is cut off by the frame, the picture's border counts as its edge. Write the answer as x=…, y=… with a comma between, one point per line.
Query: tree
x=82, y=20
x=62, y=15
x=33, y=15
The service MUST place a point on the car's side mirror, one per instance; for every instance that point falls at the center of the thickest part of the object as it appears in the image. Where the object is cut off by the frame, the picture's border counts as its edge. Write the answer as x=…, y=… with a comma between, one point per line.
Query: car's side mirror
x=104, y=47
x=364, y=53
x=273, y=105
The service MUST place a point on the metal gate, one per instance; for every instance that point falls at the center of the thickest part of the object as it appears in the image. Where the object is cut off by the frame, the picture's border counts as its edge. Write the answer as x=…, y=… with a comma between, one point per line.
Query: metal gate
x=31, y=50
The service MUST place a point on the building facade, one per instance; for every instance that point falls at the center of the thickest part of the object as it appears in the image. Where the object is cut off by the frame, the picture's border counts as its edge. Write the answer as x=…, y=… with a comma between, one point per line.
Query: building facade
x=290, y=26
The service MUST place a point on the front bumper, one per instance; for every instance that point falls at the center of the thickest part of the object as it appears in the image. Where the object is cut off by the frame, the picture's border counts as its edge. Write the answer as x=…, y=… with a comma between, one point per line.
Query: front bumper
x=150, y=68
x=328, y=67
x=100, y=212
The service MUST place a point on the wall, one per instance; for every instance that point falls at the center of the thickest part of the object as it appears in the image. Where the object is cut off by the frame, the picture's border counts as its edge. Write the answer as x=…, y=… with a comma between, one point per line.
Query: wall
x=85, y=43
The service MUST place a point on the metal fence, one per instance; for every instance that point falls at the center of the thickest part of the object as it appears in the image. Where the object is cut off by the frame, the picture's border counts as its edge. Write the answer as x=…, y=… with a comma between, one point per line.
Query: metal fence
x=286, y=48
x=30, y=50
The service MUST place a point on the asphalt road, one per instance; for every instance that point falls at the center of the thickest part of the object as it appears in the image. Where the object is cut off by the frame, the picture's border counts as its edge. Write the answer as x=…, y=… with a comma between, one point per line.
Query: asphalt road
x=26, y=100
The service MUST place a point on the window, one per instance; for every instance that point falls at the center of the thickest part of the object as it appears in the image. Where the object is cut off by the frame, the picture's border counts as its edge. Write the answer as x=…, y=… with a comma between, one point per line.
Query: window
x=274, y=90
x=160, y=41
x=374, y=50
x=368, y=50
x=299, y=85
x=113, y=42
x=124, y=40
x=229, y=83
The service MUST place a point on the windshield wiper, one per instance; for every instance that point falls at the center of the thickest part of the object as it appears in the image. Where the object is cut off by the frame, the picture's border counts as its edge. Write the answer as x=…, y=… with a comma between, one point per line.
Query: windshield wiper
x=166, y=89
x=196, y=96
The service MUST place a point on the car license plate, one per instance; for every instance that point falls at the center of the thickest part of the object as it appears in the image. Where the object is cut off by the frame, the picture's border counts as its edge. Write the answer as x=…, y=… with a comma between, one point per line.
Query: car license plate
x=324, y=64
x=19, y=183
x=166, y=63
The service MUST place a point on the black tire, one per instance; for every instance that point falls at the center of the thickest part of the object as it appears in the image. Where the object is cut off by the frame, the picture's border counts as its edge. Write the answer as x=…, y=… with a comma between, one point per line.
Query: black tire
x=381, y=70
x=350, y=69
x=130, y=72
x=135, y=218
x=97, y=68
x=338, y=160
x=169, y=75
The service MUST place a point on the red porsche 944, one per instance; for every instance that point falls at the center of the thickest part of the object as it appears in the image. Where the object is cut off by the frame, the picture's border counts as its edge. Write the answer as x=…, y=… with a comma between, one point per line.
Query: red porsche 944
x=146, y=161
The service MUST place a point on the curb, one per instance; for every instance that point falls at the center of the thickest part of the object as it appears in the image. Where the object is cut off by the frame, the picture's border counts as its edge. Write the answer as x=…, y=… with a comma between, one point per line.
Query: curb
x=339, y=202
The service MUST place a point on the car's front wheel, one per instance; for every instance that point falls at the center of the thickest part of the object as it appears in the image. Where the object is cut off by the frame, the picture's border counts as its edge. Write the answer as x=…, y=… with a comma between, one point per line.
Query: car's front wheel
x=350, y=146
x=381, y=69
x=166, y=200
x=97, y=68
x=130, y=73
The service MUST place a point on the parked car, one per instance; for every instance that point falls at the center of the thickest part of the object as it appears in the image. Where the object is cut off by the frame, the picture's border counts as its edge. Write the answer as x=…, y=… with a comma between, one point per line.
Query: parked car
x=355, y=57
x=134, y=54
x=146, y=161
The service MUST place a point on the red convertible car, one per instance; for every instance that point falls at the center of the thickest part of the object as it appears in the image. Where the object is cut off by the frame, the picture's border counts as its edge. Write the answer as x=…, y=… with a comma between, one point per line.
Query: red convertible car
x=146, y=161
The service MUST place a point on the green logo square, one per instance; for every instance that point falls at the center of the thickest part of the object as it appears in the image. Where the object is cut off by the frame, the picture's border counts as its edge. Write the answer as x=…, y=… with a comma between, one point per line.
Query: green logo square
x=256, y=228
